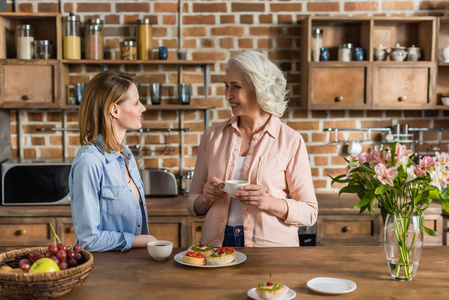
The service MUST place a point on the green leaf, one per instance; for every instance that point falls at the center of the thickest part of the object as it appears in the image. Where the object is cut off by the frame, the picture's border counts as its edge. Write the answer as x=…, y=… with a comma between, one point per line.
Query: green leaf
x=382, y=189
x=351, y=189
x=361, y=169
x=445, y=204
x=369, y=196
x=430, y=231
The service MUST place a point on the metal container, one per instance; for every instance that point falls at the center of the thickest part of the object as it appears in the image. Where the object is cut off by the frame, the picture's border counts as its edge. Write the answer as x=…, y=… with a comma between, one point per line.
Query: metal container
x=186, y=181
x=25, y=41
x=159, y=183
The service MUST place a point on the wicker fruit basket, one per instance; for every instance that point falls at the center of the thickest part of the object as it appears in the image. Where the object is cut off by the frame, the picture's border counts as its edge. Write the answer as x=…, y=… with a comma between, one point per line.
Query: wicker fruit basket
x=43, y=285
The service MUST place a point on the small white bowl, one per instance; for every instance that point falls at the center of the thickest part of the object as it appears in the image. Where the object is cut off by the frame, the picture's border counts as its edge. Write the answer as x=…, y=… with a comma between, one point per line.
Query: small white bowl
x=160, y=250
x=445, y=100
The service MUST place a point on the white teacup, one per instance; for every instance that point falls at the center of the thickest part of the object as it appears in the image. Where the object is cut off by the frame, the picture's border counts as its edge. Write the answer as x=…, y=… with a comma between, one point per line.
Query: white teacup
x=232, y=186
x=355, y=148
x=160, y=250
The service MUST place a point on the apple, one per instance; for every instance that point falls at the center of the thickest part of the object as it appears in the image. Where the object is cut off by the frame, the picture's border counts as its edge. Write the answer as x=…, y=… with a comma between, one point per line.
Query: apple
x=44, y=265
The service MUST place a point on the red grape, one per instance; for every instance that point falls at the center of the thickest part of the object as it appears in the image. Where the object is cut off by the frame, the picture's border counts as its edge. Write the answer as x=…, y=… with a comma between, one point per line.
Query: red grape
x=25, y=267
x=77, y=248
x=62, y=247
x=48, y=254
x=33, y=256
x=63, y=265
x=70, y=254
x=55, y=259
x=53, y=248
x=72, y=263
x=61, y=255
x=24, y=261
x=79, y=257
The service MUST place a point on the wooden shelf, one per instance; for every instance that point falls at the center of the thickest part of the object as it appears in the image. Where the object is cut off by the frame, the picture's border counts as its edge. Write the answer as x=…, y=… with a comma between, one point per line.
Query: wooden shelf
x=162, y=107
x=136, y=62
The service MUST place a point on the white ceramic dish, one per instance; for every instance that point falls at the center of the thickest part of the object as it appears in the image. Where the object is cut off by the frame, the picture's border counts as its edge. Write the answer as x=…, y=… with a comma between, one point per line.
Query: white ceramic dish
x=445, y=100
x=288, y=294
x=240, y=258
x=328, y=285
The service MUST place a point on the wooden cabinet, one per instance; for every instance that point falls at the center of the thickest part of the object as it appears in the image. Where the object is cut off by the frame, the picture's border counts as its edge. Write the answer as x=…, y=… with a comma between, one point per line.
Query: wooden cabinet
x=369, y=84
x=442, y=86
x=170, y=228
x=65, y=230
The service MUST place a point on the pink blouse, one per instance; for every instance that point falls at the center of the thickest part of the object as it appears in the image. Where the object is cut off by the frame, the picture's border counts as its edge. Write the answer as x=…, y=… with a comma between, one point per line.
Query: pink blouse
x=277, y=159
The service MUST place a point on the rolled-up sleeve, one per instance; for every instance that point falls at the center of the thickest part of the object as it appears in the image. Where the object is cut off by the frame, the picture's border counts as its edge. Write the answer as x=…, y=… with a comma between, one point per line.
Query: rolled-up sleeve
x=302, y=203
x=85, y=192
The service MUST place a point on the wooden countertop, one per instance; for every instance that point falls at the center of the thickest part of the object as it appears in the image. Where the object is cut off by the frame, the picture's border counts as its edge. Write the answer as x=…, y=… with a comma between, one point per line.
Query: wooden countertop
x=328, y=204
x=134, y=275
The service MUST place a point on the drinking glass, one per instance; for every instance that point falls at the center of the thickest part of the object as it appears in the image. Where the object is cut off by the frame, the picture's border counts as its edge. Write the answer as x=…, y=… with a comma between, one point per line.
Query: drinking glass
x=184, y=92
x=156, y=93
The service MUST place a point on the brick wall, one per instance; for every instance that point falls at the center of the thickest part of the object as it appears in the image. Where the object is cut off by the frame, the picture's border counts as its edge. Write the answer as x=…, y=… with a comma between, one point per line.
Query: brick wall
x=216, y=30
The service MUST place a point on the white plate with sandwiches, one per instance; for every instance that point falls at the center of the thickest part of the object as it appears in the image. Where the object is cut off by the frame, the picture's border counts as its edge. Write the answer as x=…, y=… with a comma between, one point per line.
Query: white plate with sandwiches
x=239, y=259
x=287, y=295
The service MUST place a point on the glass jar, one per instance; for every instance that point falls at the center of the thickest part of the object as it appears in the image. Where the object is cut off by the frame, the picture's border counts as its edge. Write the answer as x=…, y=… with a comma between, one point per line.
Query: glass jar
x=94, y=42
x=144, y=39
x=71, y=37
x=128, y=50
x=317, y=43
x=345, y=52
x=25, y=41
x=187, y=181
x=43, y=49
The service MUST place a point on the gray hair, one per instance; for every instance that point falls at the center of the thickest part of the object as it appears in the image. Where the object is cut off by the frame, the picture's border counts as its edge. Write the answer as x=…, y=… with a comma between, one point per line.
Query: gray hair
x=268, y=80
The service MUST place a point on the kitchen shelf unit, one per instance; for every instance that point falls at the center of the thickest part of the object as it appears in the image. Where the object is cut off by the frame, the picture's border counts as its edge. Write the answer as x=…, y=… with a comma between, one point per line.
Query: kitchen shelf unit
x=369, y=84
x=442, y=85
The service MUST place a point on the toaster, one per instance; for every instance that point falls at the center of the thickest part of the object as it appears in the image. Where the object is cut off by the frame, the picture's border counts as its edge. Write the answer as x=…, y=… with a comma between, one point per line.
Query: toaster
x=159, y=183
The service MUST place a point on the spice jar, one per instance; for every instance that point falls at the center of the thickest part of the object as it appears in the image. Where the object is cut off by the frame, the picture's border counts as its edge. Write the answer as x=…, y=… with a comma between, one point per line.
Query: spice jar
x=187, y=181
x=144, y=39
x=43, y=49
x=345, y=52
x=128, y=50
x=25, y=41
x=317, y=44
x=94, y=42
x=71, y=37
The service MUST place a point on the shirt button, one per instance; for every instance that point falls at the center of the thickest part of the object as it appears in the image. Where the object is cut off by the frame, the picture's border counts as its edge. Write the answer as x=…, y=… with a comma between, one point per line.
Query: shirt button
x=138, y=225
x=245, y=169
x=115, y=196
x=123, y=172
x=246, y=228
x=246, y=245
x=251, y=153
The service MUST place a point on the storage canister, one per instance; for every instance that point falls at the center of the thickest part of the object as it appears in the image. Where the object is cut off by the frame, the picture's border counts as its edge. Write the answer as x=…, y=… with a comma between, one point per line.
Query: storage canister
x=128, y=50
x=144, y=39
x=345, y=52
x=43, y=49
x=71, y=37
x=317, y=43
x=94, y=41
x=25, y=41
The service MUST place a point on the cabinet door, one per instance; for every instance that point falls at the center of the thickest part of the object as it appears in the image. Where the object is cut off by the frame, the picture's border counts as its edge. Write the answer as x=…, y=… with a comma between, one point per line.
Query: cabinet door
x=169, y=228
x=29, y=85
x=336, y=86
x=65, y=231
x=403, y=85
x=196, y=227
x=26, y=232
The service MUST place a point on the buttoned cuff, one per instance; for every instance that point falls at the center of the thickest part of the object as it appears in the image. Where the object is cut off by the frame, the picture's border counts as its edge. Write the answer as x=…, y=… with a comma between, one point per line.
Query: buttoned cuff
x=292, y=216
x=191, y=205
x=129, y=239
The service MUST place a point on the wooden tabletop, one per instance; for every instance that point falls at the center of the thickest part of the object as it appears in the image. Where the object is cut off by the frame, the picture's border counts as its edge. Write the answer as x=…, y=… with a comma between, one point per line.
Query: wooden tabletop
x=134, y=275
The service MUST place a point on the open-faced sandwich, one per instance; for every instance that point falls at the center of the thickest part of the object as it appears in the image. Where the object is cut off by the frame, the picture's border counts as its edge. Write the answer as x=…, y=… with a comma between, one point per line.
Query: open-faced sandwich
x=270, y=290
x=204, y=249
x=222, y=256
x=193, y=257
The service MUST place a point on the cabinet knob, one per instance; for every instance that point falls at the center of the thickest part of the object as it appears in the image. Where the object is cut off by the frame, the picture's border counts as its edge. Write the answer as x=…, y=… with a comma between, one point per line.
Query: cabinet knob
x=25, y=98
x=401, y=99
x=199, y=228
x=70, y=230
x=346, y=229
x=21, y=232
x=338, y=99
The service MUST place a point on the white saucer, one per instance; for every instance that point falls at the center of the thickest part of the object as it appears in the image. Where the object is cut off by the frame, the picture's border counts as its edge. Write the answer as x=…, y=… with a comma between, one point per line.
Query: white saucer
x=287, y=295
x=328, y=285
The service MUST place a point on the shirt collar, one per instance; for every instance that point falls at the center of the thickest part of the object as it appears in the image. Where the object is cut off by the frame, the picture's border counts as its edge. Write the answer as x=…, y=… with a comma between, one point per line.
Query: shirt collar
x=273, y=125
x=99, y=143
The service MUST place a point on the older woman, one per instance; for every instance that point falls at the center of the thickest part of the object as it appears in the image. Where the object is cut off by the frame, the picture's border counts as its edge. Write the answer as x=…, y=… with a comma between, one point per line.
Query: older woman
x=106, y=191
x=254, y=145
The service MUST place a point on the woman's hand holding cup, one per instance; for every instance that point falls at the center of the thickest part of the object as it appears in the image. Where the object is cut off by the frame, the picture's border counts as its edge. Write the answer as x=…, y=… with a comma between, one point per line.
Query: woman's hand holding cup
x=212, y=190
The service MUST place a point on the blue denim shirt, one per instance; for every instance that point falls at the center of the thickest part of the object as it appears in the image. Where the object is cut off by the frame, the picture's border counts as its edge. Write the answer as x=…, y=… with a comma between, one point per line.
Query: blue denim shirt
x=106, y=214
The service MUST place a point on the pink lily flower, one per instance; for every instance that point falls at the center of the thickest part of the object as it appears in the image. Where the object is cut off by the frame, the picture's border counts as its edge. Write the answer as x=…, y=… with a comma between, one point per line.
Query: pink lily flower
x=401, y=151
x=425, y=163
x=386, y=176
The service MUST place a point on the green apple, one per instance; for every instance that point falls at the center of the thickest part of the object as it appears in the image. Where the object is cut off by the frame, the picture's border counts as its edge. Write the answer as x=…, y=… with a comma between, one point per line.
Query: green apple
x=44, y=265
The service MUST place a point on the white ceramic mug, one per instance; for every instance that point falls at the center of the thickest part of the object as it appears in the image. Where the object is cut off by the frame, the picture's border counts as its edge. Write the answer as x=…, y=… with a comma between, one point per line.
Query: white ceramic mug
x=232, y=186
x=445, y=54
x=355, y=148
x=160, y=250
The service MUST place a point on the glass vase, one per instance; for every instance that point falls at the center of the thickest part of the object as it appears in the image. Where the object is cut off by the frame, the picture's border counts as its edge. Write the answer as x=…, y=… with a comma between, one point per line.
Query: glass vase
x=403, y=242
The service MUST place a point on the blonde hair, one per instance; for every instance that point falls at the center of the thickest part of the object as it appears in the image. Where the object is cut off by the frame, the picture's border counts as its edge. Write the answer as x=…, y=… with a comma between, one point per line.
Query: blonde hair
x=103, y=90
x=268, y=80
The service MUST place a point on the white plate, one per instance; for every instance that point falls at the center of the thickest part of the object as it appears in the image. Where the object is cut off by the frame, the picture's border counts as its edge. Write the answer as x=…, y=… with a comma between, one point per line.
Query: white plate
x=328, y=285
x=240, y=258
x=288, y=294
